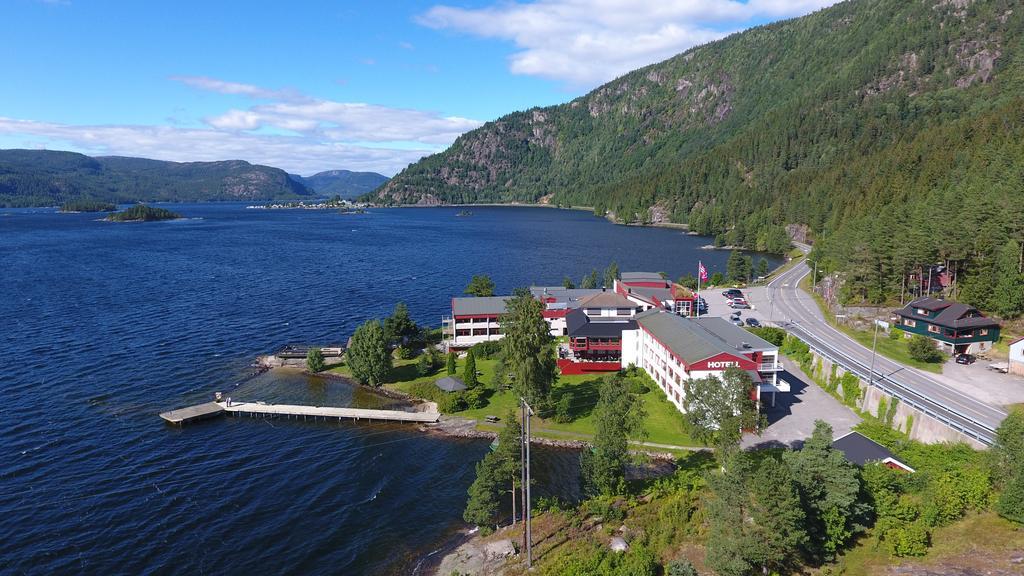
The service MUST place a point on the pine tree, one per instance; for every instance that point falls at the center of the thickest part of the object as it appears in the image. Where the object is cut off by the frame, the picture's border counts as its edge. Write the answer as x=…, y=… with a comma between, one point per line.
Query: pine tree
x=368, y=356
x=469, y=370
x=529, y=355
x=450, y=366
x=1008, y=292
x=590, y=280
x=829, y=488
x=314, y=360
x=496, y=474
x=611, y=274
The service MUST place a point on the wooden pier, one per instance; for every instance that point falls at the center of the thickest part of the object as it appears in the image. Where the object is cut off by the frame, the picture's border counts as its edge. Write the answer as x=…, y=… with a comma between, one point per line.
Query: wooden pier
x=260, y=409
x=193, y=413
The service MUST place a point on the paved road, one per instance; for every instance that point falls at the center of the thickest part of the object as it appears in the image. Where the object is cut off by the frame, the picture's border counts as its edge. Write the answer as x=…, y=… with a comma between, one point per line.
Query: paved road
x=796, y=311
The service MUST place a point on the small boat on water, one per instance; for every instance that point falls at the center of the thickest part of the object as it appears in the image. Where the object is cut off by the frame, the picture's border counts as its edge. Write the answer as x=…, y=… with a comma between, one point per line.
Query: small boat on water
x=464, y=213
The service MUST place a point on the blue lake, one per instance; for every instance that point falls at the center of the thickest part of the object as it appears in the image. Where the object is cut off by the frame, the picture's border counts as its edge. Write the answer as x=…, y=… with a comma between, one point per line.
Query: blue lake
x=103, y=326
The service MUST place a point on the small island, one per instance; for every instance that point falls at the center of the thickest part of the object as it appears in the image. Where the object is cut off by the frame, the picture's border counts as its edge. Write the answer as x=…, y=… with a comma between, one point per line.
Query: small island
x=143, y=213
x=87, y=206
x=463, y=213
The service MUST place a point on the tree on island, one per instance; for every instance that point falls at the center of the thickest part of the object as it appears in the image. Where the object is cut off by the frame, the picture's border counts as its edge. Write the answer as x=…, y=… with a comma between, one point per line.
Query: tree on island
x=314, y=360
x=368, y=356
x=755, y=521
x=829, y=488
x=616, y=415
x=481, y=285
x=529, y=355
x=496, y=474
x=142, y=213
x=469, y=370
x=718, y=410
x=590, y=280
x=450, y=366
x=611, y=274
x=399, y=327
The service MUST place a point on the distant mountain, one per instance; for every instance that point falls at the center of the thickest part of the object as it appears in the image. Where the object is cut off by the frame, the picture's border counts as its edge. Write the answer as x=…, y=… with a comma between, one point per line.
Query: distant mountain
x=51, y=178
x=344, y=183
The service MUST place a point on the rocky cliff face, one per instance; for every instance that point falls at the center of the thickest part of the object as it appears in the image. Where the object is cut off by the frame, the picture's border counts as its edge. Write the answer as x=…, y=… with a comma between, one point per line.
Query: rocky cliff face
x=742, y=114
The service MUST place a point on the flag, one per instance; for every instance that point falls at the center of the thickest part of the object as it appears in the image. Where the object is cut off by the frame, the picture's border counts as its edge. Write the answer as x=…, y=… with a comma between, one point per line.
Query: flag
x=702, y=272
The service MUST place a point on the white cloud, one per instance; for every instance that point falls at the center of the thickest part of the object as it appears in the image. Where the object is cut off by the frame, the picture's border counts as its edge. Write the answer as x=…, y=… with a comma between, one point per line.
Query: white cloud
x=587, y=42
x=292, y=153
x=294, y=132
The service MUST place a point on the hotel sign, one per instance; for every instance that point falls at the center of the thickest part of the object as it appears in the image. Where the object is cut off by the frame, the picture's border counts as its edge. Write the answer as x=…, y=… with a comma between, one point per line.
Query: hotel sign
x=721, y=364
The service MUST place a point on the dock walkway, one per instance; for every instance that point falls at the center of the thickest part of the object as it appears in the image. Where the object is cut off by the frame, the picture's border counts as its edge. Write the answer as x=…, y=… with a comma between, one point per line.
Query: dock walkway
x=261, y=409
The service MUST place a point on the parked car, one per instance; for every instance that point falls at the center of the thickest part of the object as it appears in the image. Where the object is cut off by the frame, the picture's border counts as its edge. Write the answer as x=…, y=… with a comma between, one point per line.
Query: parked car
x=732, y=293
x=738, y=303
x=965, y=359
x=753, y=323
x=735, y=315
x=738, y=322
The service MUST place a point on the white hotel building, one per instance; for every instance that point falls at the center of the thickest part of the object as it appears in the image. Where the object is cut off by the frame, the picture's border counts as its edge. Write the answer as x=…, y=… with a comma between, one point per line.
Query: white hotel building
x=674, y=349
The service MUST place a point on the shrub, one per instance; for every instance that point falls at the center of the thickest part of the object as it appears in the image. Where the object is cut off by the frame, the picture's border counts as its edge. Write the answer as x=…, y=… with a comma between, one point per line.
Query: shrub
x=605, y=508
x=424, y=366
x=314, y=360
x=907, y=539
x=772, y=334
x=451, y=402
x=894, y=334
x=487, y=350
x=680, y=567
x=403, y=353
x=1011, y=501
x=563, y=411
x=476, y=397
x=922, y=349
x=638, y=385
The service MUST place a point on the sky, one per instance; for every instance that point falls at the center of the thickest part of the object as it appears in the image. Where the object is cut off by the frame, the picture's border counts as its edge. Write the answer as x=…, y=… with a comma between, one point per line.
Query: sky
x=320, y=85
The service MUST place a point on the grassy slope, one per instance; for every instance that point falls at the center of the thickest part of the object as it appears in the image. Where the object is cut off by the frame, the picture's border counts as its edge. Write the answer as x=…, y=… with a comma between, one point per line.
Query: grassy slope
x=664, y=425
x=895, y=350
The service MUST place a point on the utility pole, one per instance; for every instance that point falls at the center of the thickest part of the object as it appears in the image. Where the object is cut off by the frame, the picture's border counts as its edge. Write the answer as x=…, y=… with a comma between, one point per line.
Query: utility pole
x=874, y=346
x=814, y=280
x=527, y=512
x=522, y=460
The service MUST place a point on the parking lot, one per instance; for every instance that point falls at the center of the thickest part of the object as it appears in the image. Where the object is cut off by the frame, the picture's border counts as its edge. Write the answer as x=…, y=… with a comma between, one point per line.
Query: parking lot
x=981, y=383
x=756, y=297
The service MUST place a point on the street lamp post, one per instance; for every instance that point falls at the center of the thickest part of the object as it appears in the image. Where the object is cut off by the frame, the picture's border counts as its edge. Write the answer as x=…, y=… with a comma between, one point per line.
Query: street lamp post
x=874, y=346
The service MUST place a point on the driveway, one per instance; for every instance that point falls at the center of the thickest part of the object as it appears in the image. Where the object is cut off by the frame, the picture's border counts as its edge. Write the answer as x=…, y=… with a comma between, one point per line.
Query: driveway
x=791, y=421
x=981, y=383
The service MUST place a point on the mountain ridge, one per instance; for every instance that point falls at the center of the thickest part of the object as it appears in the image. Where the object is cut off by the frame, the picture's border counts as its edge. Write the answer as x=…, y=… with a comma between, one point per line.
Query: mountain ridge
x=345, y=183
x=861, y=123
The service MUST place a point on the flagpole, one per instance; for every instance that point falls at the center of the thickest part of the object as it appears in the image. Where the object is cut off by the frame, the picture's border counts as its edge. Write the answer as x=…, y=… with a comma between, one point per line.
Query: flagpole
x=697, y=301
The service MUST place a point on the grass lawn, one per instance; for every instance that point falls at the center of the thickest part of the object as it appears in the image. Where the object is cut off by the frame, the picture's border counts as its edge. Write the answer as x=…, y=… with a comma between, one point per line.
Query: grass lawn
x=976, y=541
x=895, y=350
x=664, y=424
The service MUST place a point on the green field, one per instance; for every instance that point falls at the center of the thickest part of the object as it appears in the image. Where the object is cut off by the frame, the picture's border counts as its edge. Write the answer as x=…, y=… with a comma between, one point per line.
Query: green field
x=663, y=424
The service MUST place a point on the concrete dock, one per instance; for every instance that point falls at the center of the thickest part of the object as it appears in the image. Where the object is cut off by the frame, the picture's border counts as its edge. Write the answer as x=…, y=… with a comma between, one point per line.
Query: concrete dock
x=261, y=409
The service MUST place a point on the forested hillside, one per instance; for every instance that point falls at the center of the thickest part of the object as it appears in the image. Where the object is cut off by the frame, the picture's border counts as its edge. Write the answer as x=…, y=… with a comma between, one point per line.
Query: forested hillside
x=893, y=129
x=344, y=183
x=50, y=178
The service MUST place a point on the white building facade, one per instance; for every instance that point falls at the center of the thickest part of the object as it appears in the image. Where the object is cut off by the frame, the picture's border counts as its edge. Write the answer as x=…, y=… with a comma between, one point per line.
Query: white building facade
x=674, y=350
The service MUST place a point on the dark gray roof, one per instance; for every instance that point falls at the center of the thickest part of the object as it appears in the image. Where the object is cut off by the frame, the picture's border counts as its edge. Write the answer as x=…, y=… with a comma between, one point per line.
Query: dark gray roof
x=641, y=277
x=951, y=314
x=569, y=296
x=735, y=337
x=480, y=305
x=859, y=449
x=579, y=325
x=682, y=336
x=450, y=384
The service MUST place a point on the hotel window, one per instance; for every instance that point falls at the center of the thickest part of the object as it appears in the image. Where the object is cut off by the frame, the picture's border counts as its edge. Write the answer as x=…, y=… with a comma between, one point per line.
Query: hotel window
x=623, y=311
x=909, y=322
x=933, y=329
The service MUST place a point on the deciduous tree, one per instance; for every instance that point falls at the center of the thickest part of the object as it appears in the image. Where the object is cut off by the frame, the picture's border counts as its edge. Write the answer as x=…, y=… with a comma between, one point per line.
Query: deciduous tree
x=368, y=356
x=481, y=286
x=617, y=415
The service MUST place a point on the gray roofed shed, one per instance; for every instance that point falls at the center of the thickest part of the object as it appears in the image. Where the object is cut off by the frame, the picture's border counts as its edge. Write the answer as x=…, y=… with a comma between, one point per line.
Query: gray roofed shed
x=450, y=384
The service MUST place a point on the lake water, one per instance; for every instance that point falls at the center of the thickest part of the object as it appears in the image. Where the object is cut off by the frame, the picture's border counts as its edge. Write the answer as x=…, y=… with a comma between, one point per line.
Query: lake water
x=103, y=326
